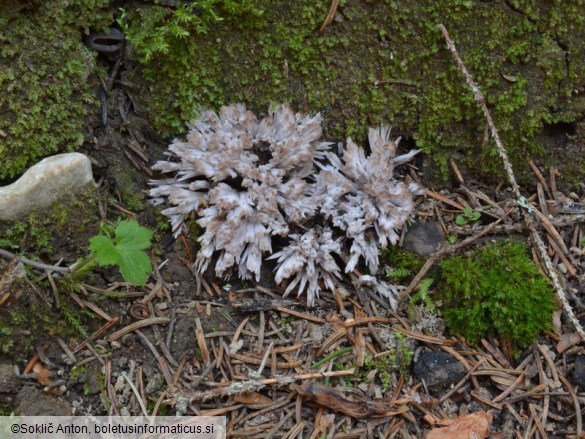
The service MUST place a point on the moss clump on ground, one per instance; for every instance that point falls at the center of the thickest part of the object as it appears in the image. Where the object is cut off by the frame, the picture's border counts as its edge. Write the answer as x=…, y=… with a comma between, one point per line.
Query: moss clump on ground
x=20, y=334
x=378, y=62
x=497, y=290
x=41, y=234
x=46, y=78
x=401, y=263
x=167, y=43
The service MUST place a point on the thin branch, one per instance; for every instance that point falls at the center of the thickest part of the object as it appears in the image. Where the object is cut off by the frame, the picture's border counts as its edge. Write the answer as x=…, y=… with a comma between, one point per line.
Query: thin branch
x=508, y=166
x=8, y=255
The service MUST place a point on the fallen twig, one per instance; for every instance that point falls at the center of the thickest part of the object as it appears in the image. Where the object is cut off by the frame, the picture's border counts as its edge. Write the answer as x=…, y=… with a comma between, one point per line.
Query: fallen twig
x=201, y=342
x=240, y=387
x=300, y=315
x=96, y=334
x=137, y=325
x=330, y=15
x=358, y=407
x=512, y=179
x=9, y=255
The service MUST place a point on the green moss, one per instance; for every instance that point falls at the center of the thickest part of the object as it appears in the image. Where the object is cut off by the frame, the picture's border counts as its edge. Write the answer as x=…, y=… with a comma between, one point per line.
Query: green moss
x=74, y=317
x=30, y=233
x=6, y=340
x=402, y=263
x=167, y=44
x=5, y=409
x=397, y=360
x=78, y=372
x=20, y=334
x=163, y=409
x=129, y=183
x=37, y=234
x=131, y=200
x=378, y=62
x=497, y=290
x=46, y=78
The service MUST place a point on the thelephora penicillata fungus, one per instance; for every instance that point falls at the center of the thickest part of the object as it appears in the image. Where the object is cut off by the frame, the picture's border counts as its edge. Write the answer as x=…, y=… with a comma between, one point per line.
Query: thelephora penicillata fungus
x=250, y=180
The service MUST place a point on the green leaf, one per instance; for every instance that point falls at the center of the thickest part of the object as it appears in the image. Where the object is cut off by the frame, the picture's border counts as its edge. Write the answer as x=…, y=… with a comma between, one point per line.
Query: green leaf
x=132, y=236
x=460, y=220
x=105, y=250
x=135, y=267
x=125, y=251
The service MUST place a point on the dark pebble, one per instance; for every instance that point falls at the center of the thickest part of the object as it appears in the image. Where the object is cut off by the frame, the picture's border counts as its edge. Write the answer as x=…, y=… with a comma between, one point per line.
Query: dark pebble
x=579, y=373
x=106, y=42
x=438, y=369
x=424, y=238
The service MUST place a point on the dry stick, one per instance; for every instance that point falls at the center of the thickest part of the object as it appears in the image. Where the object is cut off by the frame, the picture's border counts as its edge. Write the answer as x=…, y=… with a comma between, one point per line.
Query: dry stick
x=330, y=15
x=66, y=350
x=55, y=290
x=543, y=381
x=575, y=402
x=461, y=382
x=507, y=165
x=96, y=334
x=8, y=255
x=239, y=387
x=136, y=393
x=137, y=325
x=162, y=364
x=300, y=315
x=200, y=337
x=204, y=374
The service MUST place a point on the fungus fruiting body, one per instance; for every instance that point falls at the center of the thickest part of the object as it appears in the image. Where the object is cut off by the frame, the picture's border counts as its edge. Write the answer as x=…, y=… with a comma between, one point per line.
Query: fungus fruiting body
x=250, y=180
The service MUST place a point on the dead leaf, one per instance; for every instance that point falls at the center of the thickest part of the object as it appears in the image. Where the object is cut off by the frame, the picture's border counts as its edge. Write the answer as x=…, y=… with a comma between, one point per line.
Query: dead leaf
x=323, y=424
x=473, y=426
x=509, y=78
x=43, y=375
x=356, y=406
x=557, y=322
x=252, y=398
x=568, y=340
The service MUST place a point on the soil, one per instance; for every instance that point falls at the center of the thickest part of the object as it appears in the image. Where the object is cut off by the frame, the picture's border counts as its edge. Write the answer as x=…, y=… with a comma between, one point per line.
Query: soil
x=68, y=331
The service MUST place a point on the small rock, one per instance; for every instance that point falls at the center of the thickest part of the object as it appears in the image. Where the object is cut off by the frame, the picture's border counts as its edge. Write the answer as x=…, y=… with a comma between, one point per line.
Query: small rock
x=438, y=369
x=94, y=381
x=155, y=384
x=106, y=42
x=476, y=405
x=424, y=238
x=44, y=184
x=8, y=381
x=579, y=373
x=35, y=402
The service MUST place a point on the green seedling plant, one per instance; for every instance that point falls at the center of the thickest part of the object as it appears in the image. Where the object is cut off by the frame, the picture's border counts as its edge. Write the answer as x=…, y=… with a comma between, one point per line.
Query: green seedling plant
x=125, y=250
x=469, y=216
x=422, y=294
x=398, y=273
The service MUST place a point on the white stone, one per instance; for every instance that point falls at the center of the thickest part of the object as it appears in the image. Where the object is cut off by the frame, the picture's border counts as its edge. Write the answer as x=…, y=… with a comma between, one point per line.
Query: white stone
x=45, y=183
